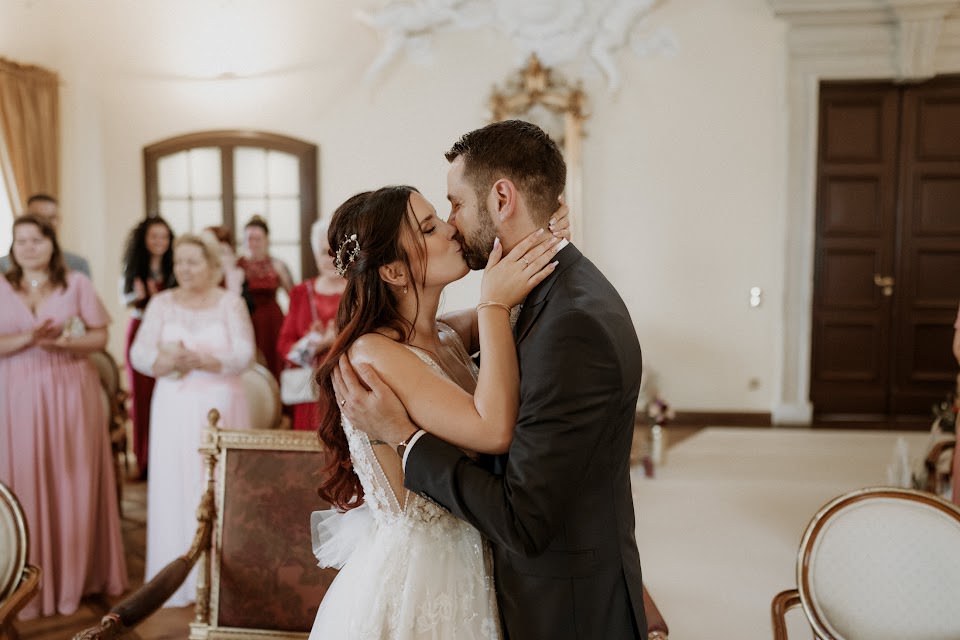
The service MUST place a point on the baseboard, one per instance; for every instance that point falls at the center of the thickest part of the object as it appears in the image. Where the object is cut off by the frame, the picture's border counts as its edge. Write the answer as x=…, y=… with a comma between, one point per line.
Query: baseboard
x=715, y=418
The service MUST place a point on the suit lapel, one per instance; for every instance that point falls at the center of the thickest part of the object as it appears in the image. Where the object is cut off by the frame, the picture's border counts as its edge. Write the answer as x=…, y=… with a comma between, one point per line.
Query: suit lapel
x=534, y=303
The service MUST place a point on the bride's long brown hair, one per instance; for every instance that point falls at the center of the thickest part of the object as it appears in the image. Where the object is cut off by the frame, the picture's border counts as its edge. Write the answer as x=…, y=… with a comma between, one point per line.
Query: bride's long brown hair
x=379, y=220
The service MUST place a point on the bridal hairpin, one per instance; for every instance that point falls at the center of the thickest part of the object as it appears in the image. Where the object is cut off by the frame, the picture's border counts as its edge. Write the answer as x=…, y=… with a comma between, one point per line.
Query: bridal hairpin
x=347, y=254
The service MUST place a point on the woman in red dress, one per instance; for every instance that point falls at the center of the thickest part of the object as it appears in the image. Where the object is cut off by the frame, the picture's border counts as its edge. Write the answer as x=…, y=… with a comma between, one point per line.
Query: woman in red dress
x=313, y=308
x=264, y=275
x=147, y=269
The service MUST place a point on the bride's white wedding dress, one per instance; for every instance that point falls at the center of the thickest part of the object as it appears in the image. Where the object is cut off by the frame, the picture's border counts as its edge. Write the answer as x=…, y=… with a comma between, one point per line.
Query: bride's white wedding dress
x=408, y=572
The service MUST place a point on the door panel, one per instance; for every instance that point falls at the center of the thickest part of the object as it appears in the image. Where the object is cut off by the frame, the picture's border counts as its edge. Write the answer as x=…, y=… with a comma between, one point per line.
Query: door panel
x=929, y=233
x=855, y=228
x=887, y=271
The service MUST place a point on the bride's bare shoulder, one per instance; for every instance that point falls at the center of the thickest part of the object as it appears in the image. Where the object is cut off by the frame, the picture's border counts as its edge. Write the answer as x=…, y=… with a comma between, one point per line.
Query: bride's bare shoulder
x=372, y=348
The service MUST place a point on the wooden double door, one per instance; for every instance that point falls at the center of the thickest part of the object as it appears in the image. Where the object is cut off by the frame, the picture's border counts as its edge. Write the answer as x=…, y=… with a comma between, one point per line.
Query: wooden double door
x=887, y=256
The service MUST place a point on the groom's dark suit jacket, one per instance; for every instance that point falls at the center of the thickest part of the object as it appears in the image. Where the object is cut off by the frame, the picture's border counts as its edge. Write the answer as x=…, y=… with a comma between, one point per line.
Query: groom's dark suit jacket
x=560, y=516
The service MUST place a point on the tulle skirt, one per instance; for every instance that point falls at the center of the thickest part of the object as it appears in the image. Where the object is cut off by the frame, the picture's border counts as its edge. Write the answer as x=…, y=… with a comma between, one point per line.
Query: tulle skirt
x=403, y=578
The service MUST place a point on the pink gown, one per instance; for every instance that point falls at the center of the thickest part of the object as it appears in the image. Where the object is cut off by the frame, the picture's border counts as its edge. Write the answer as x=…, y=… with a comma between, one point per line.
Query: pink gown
x=178, y=414
x=55, y=453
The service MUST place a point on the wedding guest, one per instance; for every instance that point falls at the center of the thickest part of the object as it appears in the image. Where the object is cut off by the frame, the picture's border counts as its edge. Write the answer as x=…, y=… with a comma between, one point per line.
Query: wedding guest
x=54, y=448
x=147, y=270
x=956, y=339
x=46, y=206
x=234, y=279
x=265, y=274
x=196, y=340
x=311, y=320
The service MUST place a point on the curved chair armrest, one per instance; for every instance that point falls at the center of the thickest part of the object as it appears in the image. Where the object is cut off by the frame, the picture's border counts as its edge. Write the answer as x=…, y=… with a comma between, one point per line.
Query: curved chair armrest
x=656, y=626
x=140, y=604
x=27, y=589
x=783, y=602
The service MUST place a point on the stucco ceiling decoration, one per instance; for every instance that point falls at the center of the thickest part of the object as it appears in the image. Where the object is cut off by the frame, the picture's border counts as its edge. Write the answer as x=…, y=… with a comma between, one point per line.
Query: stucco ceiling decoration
x=557, y=31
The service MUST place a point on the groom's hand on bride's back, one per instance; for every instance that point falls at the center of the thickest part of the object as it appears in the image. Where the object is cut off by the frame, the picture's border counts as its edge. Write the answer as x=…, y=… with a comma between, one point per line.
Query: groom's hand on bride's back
x=369, y=404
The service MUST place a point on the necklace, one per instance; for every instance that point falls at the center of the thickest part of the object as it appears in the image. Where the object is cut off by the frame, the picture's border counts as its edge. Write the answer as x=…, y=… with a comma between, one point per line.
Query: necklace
x=36, y=283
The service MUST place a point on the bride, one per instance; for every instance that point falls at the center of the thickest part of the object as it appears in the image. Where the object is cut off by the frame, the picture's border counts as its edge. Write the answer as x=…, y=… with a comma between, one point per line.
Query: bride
x=408, y=568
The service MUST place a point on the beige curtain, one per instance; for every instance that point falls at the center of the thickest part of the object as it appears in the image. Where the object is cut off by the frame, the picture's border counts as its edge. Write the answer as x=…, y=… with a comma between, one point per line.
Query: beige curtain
x=29, y=130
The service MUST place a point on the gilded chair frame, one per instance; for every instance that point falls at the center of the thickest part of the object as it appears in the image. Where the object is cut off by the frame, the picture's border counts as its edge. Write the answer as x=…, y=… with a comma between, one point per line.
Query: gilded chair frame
x=538, y=86
x=24, y=579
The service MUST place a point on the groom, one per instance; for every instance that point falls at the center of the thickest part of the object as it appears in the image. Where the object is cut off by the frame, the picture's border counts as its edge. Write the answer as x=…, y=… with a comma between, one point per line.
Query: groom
x=560, y=516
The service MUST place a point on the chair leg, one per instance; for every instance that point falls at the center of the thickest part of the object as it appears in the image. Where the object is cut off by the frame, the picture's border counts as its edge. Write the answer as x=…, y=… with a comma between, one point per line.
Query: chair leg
x=783, y=602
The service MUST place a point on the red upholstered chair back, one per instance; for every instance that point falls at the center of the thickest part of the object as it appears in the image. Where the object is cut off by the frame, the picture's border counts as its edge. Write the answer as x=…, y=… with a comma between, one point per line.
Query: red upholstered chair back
x=263, y=575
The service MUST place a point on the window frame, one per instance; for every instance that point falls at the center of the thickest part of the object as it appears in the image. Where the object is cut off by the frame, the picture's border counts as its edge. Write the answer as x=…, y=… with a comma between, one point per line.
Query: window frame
x=227, y=141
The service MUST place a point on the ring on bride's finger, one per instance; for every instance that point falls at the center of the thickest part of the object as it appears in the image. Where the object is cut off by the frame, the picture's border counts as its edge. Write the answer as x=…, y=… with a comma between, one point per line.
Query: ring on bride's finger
x=343, y=403
x=526, y=263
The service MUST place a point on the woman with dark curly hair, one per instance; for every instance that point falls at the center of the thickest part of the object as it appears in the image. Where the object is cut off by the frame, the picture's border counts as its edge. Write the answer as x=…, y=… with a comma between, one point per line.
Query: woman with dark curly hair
x=147, y=270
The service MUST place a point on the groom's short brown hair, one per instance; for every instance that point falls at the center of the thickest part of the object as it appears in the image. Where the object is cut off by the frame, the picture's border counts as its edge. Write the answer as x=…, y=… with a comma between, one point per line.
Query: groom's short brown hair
x=520, y=151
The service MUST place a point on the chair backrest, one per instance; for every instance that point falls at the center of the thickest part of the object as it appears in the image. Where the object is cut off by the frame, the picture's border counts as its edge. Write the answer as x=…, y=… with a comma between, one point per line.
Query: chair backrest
x=263, y=397
x=13, y=542
x=263, y=575
x=108, y=370
x=882, y=563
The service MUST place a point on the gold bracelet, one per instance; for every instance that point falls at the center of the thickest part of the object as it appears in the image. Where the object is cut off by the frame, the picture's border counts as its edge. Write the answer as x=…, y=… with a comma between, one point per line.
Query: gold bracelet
x=493, y=304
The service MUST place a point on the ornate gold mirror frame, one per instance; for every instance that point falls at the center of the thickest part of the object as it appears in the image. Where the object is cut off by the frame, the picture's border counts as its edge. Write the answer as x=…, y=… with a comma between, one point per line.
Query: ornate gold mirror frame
x=538, y=95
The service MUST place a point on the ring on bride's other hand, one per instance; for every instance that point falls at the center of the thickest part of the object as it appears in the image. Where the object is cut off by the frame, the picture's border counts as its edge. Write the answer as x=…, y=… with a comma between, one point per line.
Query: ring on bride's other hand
x=343, y=403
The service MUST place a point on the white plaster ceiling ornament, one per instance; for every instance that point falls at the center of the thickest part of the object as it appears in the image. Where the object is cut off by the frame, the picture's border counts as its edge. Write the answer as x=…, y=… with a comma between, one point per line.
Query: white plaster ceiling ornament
x=557, y=31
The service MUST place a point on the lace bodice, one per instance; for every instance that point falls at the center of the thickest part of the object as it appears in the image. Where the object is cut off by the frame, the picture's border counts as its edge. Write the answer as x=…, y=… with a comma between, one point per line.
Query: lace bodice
x=409, y=570
x=378, y=493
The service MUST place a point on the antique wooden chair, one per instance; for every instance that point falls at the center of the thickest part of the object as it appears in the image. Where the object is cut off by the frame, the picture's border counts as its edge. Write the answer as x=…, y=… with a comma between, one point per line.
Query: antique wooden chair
x=878, y=563
x=115, y=408
x=263, y=397
x=19, y=581
x=258, y=577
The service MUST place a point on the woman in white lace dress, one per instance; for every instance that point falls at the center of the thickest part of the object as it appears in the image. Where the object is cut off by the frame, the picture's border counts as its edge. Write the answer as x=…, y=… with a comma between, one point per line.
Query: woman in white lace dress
x=196, y=339
x=410, y=570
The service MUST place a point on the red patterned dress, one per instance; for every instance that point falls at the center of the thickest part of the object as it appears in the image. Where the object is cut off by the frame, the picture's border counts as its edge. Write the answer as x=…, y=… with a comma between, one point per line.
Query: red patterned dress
x=295, y=326
x=141, y=386
x=262, y=283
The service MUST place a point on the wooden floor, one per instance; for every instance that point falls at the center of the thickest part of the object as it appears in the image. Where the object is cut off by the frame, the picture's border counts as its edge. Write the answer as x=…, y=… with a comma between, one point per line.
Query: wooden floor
x=172, y=624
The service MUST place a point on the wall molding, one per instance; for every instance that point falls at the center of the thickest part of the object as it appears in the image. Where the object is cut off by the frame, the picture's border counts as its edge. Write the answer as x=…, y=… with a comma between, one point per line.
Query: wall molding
x=896, y=40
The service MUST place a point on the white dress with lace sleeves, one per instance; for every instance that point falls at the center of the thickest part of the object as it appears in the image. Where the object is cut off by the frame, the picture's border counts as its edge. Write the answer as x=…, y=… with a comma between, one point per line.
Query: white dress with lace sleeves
x=178, y=414
x=410, y=572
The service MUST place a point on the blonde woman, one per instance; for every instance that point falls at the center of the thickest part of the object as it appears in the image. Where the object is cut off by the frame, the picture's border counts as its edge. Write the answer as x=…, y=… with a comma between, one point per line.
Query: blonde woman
x=196, y=339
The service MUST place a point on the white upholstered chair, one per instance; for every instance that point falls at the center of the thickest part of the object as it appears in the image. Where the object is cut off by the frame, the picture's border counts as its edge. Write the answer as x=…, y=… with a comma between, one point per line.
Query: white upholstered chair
x=19, y=582
x=878, y=564
x=263, y=397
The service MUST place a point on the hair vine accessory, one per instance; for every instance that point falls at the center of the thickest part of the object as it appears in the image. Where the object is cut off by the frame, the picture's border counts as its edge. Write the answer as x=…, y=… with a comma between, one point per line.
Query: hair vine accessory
x=346, y=255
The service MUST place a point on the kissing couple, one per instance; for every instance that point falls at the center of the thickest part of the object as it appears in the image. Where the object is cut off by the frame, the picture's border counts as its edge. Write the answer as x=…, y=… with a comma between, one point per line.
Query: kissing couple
x=475, y=502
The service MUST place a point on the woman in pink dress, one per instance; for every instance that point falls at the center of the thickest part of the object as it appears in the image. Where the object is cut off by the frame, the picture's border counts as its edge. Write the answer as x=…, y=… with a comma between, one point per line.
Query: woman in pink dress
x=54, y=448
x=196, y=340
x=313, y=310
x=147, y=270
x=265, y=274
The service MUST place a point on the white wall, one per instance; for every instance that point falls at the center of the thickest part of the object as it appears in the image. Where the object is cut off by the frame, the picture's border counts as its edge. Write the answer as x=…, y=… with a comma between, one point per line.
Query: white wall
x=683, y=167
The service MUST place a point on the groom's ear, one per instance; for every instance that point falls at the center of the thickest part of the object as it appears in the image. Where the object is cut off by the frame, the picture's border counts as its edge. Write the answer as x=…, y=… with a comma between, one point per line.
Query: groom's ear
x=504, y=198
x=394, y=273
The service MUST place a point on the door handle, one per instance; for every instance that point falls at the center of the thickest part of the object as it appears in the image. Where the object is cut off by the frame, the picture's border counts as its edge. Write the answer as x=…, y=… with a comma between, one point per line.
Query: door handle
x=885, y=282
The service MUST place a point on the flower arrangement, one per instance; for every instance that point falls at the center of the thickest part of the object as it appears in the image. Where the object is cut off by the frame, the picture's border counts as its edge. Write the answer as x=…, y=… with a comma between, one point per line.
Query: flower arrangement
x=659, y=411
x=945, y=414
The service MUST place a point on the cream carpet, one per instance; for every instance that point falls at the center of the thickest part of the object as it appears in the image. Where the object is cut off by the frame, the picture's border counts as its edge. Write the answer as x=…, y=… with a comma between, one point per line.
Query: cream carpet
x=719, y=526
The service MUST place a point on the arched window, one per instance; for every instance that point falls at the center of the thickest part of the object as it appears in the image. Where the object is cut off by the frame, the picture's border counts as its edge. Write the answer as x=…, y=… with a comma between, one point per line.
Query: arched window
x=225, y=177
